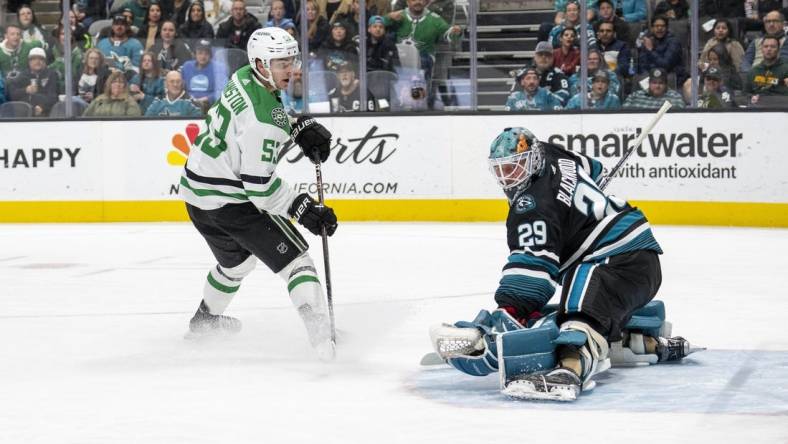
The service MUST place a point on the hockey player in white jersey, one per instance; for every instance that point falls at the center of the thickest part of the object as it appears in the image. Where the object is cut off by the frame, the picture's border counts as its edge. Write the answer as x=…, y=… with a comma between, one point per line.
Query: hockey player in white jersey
x=238, y=203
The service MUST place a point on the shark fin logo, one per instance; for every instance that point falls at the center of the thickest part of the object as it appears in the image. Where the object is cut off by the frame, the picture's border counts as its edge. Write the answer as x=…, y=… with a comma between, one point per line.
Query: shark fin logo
x=182, y=145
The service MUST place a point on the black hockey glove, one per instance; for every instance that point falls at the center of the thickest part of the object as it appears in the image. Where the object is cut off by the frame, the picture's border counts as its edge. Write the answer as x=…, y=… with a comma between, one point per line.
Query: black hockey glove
x=313, y=216
x=313, y=138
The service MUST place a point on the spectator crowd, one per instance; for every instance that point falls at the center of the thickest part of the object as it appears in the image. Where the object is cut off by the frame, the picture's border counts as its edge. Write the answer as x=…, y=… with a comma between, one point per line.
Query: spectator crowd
x=173, y=57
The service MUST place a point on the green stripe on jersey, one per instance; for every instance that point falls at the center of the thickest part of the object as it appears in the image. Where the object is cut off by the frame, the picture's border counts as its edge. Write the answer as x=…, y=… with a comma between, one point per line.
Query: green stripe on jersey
x=221, y=287
x=203, y=192
x=300, y=280
x=271, y=189
x=264, y=102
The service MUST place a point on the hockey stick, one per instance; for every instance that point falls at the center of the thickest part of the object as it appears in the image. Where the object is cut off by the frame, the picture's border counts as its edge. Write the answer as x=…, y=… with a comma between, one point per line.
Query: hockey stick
x=329, y=296
x=639, y=141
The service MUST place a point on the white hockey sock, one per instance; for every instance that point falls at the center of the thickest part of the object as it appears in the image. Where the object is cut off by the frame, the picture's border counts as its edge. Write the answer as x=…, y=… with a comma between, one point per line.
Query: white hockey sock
x=303, y=283
x=223, y=283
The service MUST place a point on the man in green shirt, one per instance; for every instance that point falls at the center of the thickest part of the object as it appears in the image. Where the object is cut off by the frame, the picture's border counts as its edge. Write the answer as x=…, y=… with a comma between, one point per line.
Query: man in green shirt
x=14, y=51
x=770, y=77
x=416, y=25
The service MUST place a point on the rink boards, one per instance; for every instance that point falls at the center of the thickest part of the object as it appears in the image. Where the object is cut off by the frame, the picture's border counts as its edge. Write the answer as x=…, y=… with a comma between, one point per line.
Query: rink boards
x=695, y=169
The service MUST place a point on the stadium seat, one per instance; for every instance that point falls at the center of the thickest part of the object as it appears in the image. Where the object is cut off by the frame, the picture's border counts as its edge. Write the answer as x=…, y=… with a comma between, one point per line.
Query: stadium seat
x=10, y=110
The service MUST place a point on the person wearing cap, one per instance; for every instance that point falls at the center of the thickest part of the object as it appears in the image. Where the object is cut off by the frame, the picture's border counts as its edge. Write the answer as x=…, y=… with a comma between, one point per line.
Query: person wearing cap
x=599, y=94
x=122, y=52
x=196, y=27
x=770, y=77
x=656, y=94
x=595, y=64
x=36, y=85
x=338, y=48
x=176, y=101
x=531, y=97
x=550, y=77
x=136, y=9
x=204, y=78
x=347, y=96
x=615, y=50
x=14, y=51
x=714, y=92
x=571, y=19
x=382, y=53
x=239, y=27
x=658, y=48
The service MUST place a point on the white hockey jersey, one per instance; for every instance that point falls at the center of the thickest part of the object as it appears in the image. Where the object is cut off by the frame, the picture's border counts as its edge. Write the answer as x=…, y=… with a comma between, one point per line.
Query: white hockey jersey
x=234, y=156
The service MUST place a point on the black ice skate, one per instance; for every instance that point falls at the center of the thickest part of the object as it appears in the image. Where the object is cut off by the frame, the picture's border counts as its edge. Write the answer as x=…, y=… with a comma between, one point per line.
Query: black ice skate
x=560, y=384
x=203, y=323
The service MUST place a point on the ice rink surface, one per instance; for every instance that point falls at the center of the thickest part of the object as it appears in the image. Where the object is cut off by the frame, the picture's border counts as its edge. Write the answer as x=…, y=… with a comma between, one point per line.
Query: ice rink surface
x=92, y=319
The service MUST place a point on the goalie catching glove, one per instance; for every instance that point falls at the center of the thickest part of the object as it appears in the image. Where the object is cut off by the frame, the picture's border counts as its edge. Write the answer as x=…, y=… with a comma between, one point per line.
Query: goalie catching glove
x=313, y=138
x=312, y=216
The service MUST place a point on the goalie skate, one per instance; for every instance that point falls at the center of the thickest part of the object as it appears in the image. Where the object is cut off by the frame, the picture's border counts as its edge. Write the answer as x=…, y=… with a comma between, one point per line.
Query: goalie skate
x=450, y=341
x=557, y=385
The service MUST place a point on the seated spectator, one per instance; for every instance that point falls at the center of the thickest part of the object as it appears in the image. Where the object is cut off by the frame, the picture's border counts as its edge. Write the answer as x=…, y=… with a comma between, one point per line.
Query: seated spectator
x=550, y=77
x=714, y=93
x=338, y=48
x=718, y=57
x=171, y=51
x=348, y=12
x=599, y=94
x=83, y=12
x=236, y=30
x=722, y=34
x=657, y=93
x=291, y=8
x=121, y=52
x=148, y=85
x=176, y=11
x=347, y=97
x=14, y=51
x=80, y=33
x=633, y=10
x=607, y=14
x=672, y=9
x=770, y=77
x=59, y=65
x=133, y=9
x=572, y=20
x=425, y=29
x=196, y=27
x=176, y=102
x=293, y=97
x=595, y=64
x=318, y=28
x=277, y=14
x=443, y=8
x=382, y=53
x=531, y=97
x=567, y=56
x=129, y=15
x=115, y=101
x=150, y=30
x=31, y=30
x=203, y=77
x=773, y=24
x=413, y=95
x=659, y=49
x=615, y=51
x=92, y=78
x=36, y=85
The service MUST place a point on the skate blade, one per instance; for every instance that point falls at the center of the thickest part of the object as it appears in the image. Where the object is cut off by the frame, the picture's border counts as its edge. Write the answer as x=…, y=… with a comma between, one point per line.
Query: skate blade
x=525, y=390
x=327, y=351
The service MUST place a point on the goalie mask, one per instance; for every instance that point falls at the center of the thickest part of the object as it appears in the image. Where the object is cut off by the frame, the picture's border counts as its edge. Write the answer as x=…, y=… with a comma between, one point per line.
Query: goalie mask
x=269, y=44
x=515, y=157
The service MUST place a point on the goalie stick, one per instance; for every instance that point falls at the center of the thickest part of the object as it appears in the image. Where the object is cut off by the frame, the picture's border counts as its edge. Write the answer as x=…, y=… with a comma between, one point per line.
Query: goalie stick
x=639, y=141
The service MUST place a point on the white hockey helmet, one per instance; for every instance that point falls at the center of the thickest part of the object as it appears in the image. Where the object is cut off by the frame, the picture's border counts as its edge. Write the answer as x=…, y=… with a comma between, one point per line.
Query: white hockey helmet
x=268, y=44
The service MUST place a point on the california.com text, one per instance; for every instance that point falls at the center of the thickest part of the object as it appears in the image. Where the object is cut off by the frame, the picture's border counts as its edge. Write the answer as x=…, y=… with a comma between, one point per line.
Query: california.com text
x=349, y=188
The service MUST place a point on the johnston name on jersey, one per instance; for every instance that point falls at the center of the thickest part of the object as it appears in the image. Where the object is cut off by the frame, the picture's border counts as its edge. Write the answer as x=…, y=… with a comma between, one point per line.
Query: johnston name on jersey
x=235, y=155
x=561, y=219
